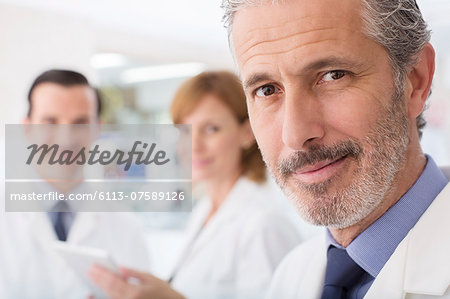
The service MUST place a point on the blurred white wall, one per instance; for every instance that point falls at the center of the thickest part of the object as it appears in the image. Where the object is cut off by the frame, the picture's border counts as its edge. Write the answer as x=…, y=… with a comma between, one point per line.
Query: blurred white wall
x=31, y=42
x=41, y=34
x=436, y=136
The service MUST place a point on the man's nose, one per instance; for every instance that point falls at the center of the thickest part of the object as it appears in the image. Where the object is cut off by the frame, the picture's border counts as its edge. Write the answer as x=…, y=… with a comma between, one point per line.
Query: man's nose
x=303, y=122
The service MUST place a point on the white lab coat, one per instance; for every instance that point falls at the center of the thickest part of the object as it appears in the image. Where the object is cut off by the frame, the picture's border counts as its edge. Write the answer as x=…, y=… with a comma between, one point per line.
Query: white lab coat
x=30, y=268
x=235, y=254
x=418, y=268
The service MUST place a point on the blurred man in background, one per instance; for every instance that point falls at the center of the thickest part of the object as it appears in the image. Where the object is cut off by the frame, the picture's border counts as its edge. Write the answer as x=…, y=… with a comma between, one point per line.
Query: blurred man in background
x=30, y=268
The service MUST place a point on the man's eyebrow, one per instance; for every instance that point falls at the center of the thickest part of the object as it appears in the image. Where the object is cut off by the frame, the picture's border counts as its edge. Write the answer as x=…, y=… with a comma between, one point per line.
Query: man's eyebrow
x=255, y=79
x=336, y=62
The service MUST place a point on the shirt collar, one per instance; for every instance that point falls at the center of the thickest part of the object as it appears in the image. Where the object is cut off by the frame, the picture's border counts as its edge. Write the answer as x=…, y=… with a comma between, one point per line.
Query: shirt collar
x=375, y=245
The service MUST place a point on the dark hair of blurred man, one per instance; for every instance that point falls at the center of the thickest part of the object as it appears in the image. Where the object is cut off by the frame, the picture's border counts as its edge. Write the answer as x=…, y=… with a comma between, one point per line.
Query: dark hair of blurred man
x=63, y=97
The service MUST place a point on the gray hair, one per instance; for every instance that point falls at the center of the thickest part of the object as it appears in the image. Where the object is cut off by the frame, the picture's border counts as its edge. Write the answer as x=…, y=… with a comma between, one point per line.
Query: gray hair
x=397, y=25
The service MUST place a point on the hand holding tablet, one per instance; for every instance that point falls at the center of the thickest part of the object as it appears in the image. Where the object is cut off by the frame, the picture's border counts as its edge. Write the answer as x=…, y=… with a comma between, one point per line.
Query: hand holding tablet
x=81, y=259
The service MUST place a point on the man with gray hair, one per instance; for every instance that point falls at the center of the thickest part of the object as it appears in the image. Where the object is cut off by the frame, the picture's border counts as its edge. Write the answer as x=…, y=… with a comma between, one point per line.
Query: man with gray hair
x=336, y=91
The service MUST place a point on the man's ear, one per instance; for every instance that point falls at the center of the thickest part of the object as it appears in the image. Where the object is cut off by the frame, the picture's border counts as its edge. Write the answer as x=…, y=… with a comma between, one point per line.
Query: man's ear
x=247, y=137
x=419, y=81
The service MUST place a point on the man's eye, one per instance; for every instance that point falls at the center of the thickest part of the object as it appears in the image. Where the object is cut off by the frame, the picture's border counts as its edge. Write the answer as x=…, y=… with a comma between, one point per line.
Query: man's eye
x=267, y=90
x=333, y=75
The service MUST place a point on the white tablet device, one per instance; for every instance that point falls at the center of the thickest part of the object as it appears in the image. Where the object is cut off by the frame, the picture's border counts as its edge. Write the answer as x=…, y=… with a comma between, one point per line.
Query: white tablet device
x=80, y=259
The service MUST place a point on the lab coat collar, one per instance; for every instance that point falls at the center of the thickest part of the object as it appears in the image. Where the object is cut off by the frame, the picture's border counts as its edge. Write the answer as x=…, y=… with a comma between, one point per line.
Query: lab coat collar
x=420, y=263
x=430, y=256
x=232, y=205
x=84, y=225
x=312, y=285
x=42, y=230
x=239, y=194
x=40, y=227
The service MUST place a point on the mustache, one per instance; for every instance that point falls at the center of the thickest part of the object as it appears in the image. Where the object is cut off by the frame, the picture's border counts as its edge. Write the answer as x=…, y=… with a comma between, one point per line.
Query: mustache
x=318, y=153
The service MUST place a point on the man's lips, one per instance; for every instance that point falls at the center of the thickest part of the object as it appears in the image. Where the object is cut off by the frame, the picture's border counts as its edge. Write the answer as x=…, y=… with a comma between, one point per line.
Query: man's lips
x=317, y=166
x=319, y=172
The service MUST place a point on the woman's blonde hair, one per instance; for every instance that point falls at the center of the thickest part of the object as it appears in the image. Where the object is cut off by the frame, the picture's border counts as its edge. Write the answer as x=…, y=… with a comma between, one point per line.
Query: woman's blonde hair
x=228, y=89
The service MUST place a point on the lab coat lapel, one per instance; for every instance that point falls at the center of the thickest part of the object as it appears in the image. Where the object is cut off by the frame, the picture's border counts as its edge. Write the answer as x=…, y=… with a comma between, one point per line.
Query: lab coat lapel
x=40, y=225
x=420, y=263
x=311, y=286
x=427, y=270
x=41, y=228
x=389, y=282
x=84, y=225
x=225, y=213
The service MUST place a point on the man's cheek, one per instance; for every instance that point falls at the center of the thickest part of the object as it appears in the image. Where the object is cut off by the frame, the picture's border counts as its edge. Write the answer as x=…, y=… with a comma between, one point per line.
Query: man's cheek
x=266, y=133
x=268, y=148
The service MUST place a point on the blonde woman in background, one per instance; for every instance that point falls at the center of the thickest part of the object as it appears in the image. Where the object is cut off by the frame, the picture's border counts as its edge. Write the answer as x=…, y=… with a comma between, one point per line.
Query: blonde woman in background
x=237, y=235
